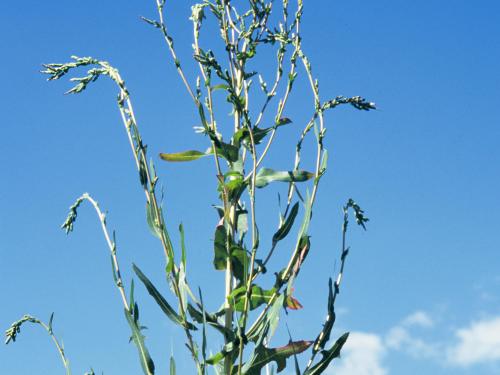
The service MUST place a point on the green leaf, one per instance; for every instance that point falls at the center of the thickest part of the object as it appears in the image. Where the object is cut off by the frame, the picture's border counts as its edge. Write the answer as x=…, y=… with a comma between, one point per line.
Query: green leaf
x=204, y=330
x=328, y=356
x=172, y=365
x=240, y=262
x=157, y=230
x=151, y=22
x=267, y=175
x=267, y=326
x=324, y=162
x=132, y=298
x=216, y=358
x=210, y=319
x=262, y=356
x=243, y=135
x=229, y=152
x=234, y=185
x=220, y=252
x=183, y=156
x=324, y=335
x=284, y=229
x=306, y=218
x=242, y=222
x=183, y=245
x=147, y=363
x=50, y=323
x=220, y=87
x=283, y=121
x=161, y=301
x=150, y=217
x=258, y=297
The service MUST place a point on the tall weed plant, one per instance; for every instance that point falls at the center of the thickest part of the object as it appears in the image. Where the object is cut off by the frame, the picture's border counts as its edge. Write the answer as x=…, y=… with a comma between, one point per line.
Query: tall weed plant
x=250, y=312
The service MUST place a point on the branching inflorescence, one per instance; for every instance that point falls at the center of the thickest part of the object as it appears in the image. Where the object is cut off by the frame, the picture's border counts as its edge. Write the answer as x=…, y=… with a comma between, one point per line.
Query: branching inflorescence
x=240, y=169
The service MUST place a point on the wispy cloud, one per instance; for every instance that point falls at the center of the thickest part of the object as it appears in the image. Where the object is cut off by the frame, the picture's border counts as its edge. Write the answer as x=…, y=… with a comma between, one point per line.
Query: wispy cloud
x=362, y=355
x=478, y=343
x=402, y=338
x=419, y=319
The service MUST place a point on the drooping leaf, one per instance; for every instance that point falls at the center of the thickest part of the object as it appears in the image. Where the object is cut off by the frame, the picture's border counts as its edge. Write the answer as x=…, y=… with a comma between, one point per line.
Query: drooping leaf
x=262, y=356
x=284, y=229
x=220, y=252
x=189, y=155
x=328, y=356
x=240, y=262
x=324, y=335
x=266, y=175
x=161, y=301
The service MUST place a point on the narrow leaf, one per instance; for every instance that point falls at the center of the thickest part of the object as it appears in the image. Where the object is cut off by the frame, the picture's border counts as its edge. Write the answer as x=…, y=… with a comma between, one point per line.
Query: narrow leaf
x=172, y=365
x=183, y=246
x=267, y=175
x=146, y=362
x=183, y=156
x=328, y=356
x=324, y=335
x=284, y=229
x=161, y=301
x=262, y=356
x=151, y=220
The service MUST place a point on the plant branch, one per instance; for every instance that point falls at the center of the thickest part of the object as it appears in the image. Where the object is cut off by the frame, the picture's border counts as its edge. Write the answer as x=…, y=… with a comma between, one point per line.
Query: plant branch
x=15, y=329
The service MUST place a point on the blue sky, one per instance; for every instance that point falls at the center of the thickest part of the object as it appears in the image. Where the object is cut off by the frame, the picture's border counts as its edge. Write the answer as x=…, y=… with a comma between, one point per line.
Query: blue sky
x=420, y=292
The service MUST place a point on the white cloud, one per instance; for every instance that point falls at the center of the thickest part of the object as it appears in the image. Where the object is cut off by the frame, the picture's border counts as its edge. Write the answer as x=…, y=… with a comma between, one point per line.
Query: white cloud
x=361, y=355
x=419, y=319
x=366, y=353
x=478, y=343
x=396, y=337
x=401, y=338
